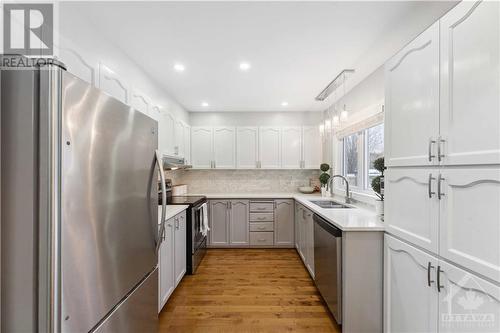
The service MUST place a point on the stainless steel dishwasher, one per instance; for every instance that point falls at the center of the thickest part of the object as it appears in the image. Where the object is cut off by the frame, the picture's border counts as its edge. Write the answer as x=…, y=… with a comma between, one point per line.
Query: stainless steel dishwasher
x=328, y=264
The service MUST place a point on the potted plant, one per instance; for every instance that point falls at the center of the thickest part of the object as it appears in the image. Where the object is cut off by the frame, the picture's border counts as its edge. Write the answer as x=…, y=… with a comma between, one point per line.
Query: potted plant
x=323, y=178
x=378, y=185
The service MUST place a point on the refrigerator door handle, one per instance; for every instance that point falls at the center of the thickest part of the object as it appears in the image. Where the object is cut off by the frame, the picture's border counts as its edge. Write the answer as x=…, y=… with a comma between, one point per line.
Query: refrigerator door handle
x=159, y=237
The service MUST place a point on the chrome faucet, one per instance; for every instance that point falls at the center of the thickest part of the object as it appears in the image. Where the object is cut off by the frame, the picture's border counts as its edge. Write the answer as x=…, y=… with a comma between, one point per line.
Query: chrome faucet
x=347, y=193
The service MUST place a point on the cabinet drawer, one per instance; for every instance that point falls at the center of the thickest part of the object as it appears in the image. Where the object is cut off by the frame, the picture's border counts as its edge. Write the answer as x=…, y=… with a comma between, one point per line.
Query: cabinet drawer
x=262, y=226
x=261, y=206
x=265, y=238
x=261, y=217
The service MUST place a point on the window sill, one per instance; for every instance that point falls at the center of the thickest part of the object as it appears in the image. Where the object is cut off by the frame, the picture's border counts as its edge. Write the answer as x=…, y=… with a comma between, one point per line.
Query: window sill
x=357, y=194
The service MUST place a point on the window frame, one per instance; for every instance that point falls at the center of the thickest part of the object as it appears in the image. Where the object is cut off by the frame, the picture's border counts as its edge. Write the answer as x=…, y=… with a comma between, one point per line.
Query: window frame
x=363, y=161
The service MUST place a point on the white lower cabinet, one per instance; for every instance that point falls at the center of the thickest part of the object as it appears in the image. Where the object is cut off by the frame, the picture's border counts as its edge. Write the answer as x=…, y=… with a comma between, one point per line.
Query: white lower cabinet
x=423, y=293
x=410, y=303
x=166, y=265
x=171, y=257
x=180, y=247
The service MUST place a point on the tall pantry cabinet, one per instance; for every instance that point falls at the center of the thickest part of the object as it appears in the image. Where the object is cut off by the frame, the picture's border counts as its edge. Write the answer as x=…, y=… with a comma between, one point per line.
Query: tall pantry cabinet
x=442, y=126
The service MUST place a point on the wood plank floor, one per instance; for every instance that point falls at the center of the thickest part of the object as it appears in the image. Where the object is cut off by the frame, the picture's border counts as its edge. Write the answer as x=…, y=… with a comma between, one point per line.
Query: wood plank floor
x=247, y=290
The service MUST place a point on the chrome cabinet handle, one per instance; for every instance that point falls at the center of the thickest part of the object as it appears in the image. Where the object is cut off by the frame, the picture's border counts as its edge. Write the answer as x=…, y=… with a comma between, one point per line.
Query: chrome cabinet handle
x=177, y=224
x=440, y=141
x=215, y=165
x=429, y=281
x=230, y=205
x=161, y=235
x=429, y=184
x=439, y=286
x=431, y=141
x=440, y=194
x=275, y=205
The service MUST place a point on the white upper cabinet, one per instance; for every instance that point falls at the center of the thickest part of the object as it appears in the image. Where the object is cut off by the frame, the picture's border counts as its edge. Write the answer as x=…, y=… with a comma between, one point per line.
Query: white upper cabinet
x=470, y=75
x=291, y=150
x=411, y=206
x=412, y=102
x=169, y=129
x=311, y=147
x=467, y=303
x=270, y=147
x=410, y=294
x=247, y=147
x=78, y=66
x=187, y=143
x=224, y=147
x=201, y=147
x=470, y=219
x=112, y=84
x=140, y=102
x=178, y=138
x=156, y=114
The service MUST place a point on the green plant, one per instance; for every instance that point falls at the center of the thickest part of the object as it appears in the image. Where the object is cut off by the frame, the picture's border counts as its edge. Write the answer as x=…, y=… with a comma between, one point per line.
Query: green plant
x=323, y=178
x=379, y=165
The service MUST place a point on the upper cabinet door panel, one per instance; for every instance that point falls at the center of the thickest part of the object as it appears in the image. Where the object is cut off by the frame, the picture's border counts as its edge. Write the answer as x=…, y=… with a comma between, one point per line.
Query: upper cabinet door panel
x=201, y=147
x=78, y=66
x=187, y=143
x=246, y=147
x=168, y=122
x=412, y=102
x=112, y=84
x=179, y=138
x=270, y=147
x=140, y=102
x=470, y=219
x=224, y=147
x=291, y=142
x=473, y=302
x=311, y=147
x=412, y=207
x=470, y=75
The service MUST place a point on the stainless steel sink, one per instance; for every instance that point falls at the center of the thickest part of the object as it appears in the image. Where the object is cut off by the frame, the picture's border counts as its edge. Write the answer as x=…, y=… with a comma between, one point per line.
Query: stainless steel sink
x=329, y=204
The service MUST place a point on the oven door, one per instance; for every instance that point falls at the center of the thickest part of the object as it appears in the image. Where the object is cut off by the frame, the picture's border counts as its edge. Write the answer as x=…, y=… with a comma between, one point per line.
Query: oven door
x=198, y=238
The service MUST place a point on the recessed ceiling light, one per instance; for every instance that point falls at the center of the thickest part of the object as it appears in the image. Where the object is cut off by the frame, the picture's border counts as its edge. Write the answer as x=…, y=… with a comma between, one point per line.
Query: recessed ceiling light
x=204, y=104
x=284, y=103
x=179, y=67
x=244, y=66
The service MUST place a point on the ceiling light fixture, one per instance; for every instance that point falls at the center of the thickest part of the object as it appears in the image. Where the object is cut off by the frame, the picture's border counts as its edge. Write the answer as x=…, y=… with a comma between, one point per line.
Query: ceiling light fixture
x=179, y=67
x=284, y=103
x=204, y=104
x=332, y=86
x=244, y=66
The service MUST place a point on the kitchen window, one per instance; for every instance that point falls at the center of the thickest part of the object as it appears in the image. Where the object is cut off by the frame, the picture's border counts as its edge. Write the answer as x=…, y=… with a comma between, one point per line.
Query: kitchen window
x=358, y=152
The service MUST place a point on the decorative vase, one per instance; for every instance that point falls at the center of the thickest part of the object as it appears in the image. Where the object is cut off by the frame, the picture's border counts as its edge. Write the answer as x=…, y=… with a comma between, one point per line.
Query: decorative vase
x=324, y=192
x=379, y=207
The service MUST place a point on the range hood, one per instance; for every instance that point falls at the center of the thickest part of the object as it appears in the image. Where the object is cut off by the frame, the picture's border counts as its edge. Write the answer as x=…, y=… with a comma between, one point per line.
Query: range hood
x=174, y=163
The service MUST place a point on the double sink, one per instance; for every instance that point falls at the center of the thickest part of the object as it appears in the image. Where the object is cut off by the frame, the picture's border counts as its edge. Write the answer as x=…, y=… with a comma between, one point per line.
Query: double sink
x=329, y=204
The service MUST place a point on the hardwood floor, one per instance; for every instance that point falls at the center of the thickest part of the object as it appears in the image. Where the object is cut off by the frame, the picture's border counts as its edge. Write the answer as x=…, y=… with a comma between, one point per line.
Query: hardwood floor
x=247, y=290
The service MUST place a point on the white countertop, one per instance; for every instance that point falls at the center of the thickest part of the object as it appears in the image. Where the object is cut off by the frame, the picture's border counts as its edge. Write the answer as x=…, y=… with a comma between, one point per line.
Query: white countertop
x=346, y=219
x=172, y=210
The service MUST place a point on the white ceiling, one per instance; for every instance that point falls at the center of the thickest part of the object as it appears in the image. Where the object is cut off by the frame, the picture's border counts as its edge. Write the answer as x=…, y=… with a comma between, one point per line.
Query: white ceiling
x=295, y=48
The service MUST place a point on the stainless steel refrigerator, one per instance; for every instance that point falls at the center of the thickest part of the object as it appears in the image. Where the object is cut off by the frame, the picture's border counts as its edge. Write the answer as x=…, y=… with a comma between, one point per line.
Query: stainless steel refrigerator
x=79, y=206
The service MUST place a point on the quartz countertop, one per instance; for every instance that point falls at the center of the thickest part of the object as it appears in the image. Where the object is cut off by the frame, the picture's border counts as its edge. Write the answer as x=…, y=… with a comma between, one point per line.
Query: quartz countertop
x=347, y=219
x=172, y=210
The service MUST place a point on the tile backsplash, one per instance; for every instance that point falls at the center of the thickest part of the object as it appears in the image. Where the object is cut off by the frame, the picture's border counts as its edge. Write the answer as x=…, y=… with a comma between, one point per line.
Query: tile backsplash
x=243, y=181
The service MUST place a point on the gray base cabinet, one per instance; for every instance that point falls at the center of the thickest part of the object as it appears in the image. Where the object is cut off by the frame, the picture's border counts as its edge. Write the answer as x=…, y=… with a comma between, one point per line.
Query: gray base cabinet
x=251, y=223
x=304, y=237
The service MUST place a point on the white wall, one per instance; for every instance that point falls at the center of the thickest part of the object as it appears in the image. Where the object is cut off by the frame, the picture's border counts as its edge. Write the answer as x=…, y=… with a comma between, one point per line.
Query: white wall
x=255, y=118
x=78, y=36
